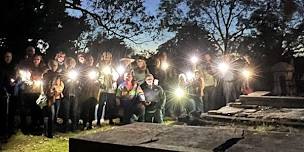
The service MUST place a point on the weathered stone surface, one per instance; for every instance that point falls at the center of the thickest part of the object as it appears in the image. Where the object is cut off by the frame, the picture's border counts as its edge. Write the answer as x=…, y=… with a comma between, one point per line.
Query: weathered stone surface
x=226, y=111
x=240, y=105
x=154, y=137
x=259, y=93
x=273, y=101
x=272, y=142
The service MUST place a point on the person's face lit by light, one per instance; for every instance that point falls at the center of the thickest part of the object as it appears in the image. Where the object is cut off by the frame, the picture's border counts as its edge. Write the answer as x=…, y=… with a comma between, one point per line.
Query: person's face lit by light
x=8, y=57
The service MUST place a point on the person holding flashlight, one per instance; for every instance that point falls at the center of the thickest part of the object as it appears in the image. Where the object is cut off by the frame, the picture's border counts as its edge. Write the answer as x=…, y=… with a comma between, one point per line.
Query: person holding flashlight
x=155, y=100
x=89, y=93
x=107, y=108
x=71, y=93
x=52, y=88
x=131, y=100
x=37, y=69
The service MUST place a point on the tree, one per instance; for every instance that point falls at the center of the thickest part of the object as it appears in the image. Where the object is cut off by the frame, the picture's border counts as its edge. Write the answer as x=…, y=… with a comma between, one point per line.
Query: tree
x=25, y=22
x=116, y=46
x=275, y=30
x=116, y=18
x=225, y=20
x=189, y=39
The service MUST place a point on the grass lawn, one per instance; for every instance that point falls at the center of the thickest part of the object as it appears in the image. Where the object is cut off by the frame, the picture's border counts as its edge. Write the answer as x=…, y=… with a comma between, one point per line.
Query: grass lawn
x=59, y=143
x=30, y=143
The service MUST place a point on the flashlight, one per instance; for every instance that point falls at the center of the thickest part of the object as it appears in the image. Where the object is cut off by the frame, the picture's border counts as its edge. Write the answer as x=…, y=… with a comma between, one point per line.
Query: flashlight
x=25, y=75
x=190, y=75
x=93, y=75
x=12, y=80
x=73, y=75
x=106, y=70
x=164, y=66
x=179, y=92
x=194, y=59
x=246, y=73
x=223, y=68
x=121, y=70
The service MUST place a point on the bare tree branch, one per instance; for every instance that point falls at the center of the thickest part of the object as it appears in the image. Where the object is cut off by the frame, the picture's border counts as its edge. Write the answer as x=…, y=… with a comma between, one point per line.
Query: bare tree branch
x=99, y=21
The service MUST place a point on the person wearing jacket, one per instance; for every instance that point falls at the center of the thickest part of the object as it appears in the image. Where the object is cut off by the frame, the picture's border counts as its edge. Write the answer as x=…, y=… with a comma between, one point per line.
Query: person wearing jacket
x=155, y=100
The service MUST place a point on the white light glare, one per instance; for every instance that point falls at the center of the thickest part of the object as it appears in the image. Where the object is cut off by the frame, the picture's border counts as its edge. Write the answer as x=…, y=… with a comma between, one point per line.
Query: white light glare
x=194, y=59
x=121, y=70
x=190, y=75
x=246, y=73
x=73, y=75
x=164, y=66
x=179, y=92
x=93, y=75
x=223, y=68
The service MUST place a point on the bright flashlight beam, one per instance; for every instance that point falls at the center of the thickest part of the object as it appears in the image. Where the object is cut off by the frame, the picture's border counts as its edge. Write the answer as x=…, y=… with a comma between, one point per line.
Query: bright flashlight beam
x=25, y=75
x=121, y=70
x=194, y=59
x=246, y=73
x=164, y=66
x=190, y=75
x=223, y=67
x=179, y=92
x=93, y=75
x=73, y=75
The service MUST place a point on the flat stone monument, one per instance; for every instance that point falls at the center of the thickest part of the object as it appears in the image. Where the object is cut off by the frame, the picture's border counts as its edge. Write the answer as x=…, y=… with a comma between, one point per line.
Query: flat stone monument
x=149, y=137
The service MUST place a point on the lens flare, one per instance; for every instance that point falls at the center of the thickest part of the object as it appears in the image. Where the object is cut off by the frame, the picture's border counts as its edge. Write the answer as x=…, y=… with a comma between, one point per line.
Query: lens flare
x=164, y=66
x=179, y=92
x=121, y=70
x=93, y=75
x=194, y=59
x=223, y=68
x=73, y=75
x=247, y=73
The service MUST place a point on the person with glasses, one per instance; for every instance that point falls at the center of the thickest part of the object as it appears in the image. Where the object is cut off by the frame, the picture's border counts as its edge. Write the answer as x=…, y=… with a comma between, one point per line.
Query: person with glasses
x=155, y=100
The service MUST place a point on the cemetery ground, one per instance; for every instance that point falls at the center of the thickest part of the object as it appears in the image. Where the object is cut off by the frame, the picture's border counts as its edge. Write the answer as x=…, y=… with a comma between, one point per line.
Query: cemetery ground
x=60, y=142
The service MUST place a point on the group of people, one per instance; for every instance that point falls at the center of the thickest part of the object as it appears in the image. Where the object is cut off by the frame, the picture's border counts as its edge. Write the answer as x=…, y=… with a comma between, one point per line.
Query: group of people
x=69, y=93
